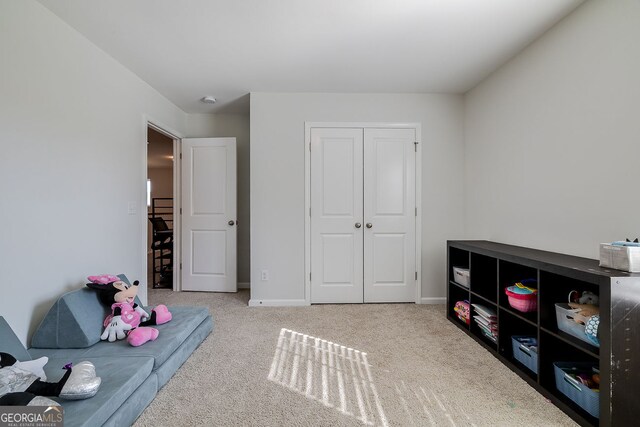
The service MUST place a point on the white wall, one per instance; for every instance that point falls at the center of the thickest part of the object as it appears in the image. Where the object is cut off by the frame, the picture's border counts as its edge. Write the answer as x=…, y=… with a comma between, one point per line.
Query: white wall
x=73, y=146
x=277, y=179
x=553, y=137
x=161, y=182
x=232, y=125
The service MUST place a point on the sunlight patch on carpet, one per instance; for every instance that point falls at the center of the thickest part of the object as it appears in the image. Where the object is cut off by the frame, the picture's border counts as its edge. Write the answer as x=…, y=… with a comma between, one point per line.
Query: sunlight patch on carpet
x=335, y=375
x=341, y=378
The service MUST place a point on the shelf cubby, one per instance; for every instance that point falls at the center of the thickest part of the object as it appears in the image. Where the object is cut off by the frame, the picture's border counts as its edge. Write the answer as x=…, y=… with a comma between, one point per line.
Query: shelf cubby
x=509, y=274
x=531, y=317
x=484, y=274
x=481, y=300
x=475, y=329
x=557, y=350
x=556, y=290
x=457, y=258
x=456, y=293
x=576, y=343
x=495, y=266
x=458, y=285
x=509, y=326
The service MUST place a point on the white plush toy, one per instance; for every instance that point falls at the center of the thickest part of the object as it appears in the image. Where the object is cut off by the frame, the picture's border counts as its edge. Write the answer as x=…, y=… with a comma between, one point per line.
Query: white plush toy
x=589, y=298
x=24, y=383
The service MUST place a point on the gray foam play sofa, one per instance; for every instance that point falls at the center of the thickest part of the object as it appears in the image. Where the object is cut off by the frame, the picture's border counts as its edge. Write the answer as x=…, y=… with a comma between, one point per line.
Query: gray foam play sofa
x=131, y=376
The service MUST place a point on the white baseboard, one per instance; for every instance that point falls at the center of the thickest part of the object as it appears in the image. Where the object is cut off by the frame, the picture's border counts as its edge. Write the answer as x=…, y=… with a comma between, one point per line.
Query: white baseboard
x=244, y=285
x=277, y=303
x=438, y=300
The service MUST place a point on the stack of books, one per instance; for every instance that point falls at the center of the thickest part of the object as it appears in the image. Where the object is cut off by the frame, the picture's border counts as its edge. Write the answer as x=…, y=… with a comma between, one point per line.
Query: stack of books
x=487, y=320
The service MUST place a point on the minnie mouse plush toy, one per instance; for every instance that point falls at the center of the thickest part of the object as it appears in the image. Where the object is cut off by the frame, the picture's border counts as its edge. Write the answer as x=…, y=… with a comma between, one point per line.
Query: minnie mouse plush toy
x=127, y=319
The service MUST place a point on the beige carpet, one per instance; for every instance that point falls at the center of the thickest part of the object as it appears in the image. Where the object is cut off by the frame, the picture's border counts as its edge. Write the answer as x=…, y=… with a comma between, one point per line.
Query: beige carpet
x=340, y=365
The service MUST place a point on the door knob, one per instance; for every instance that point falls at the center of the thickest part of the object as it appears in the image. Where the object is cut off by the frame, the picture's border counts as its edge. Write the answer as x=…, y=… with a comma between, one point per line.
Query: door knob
x=231, y=222
x=358, y=225
x=369, y=225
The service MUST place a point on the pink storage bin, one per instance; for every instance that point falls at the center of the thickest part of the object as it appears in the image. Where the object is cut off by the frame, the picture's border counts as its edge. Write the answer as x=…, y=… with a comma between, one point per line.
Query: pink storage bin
x=522, y=302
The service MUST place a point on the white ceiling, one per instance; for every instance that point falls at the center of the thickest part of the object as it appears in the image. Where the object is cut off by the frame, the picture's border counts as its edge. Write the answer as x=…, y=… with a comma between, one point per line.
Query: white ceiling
x=228, y=48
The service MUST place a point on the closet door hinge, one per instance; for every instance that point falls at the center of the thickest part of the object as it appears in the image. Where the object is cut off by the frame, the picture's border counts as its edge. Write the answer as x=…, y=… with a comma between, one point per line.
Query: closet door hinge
x=180, y=156
x=416, y=211
x=180, y=211
x=309, y=210
x=309, y=276
x=415, y=146
x=180, y=266
x=416, y=275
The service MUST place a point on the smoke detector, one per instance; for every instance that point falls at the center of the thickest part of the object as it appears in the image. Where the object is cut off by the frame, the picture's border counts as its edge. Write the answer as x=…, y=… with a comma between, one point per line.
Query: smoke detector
x=208, y=100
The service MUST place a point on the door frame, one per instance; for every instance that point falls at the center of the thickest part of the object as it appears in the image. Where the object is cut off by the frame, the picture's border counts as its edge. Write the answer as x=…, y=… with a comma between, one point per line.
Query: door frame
x=150, y=122
x=307, y=194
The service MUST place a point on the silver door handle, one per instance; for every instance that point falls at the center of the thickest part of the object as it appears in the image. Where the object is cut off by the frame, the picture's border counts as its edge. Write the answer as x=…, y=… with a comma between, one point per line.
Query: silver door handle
x=231, y=222
x=369, y=225
x=358, y=225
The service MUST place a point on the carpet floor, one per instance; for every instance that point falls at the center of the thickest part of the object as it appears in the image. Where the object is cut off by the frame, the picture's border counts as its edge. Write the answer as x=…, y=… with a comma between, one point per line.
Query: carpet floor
x=340, y=365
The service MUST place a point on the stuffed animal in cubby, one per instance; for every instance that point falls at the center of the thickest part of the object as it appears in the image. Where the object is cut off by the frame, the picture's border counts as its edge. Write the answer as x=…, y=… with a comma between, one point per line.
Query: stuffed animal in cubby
x=587, y=307
x=586, y=310
x=588, y=297
x=24, y=383
x=127, y=319
x=585, y=297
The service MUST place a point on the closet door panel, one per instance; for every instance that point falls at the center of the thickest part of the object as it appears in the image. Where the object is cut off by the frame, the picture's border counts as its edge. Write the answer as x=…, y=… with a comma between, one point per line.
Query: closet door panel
x=336, y=207
x=388, y=258
x=388, y=183
x=389, y=211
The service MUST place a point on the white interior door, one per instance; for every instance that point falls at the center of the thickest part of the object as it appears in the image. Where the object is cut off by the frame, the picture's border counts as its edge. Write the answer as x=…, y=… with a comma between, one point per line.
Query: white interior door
x=209, y=214
x=336, y=215
x=390, y=215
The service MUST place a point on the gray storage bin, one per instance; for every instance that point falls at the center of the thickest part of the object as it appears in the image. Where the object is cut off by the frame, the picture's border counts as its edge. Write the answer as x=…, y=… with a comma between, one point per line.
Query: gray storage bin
x=565, y=316
x=461, y=276
x=524, y=354
x=582, y=395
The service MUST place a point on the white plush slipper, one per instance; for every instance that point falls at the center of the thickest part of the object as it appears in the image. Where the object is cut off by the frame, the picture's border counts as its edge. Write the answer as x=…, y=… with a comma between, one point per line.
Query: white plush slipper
x=82, y=383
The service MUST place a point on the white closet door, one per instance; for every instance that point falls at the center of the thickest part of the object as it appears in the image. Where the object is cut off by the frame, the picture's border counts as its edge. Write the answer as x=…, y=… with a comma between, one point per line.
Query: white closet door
x=336, y=215
x=389, y=210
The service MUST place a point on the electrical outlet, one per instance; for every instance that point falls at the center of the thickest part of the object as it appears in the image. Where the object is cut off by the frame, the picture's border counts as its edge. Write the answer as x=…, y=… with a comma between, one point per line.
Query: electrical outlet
x=265, y=275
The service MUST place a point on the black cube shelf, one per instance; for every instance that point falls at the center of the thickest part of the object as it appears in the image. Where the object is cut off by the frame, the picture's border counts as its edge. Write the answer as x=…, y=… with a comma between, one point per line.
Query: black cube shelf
x=494, y=266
